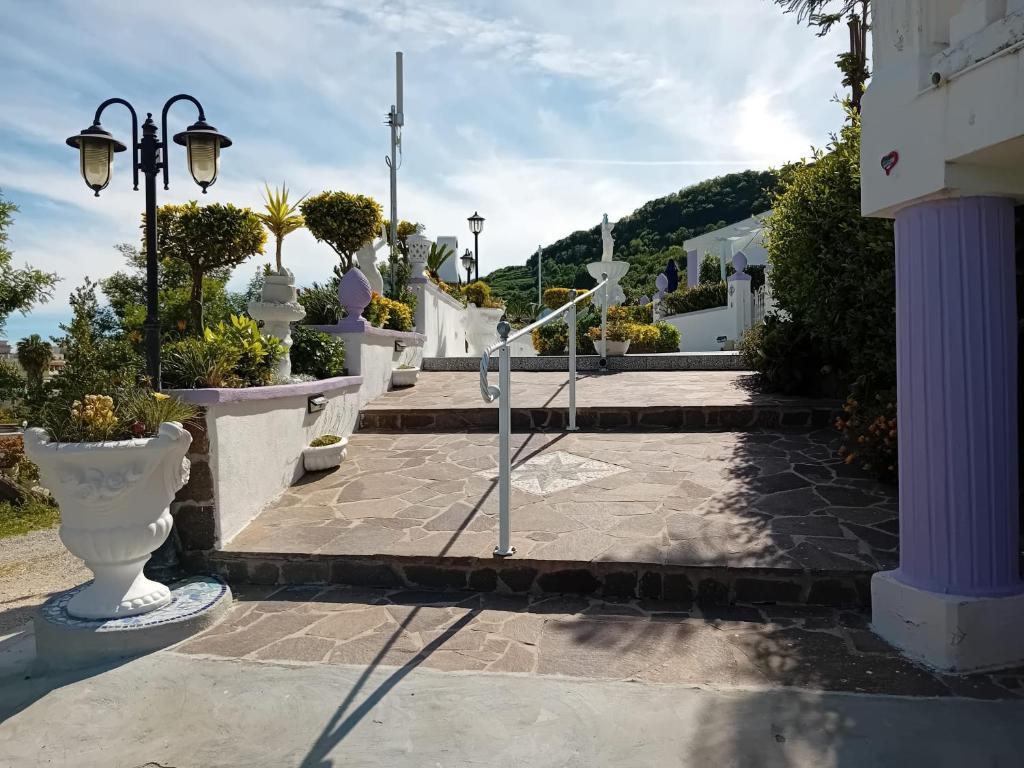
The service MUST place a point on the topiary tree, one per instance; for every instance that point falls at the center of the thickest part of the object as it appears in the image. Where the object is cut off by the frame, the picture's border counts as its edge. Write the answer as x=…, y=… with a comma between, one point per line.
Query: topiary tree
x=207, y=238
x=34, y=355
x=833, y=271
x=344, y=221
x=19, y=288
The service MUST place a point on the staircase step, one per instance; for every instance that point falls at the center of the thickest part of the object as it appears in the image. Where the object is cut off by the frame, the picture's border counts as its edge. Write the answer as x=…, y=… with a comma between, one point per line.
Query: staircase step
x=750, y=516
x=670, y=361
x=628, y=400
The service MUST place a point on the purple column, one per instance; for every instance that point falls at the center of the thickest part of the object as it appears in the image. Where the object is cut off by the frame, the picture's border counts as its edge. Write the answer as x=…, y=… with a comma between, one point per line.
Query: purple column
x=957, y=378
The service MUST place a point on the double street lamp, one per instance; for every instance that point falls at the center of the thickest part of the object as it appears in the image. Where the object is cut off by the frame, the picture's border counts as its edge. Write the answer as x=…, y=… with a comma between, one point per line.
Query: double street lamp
x=97, y=147
x=467, y=264
x=476, y=225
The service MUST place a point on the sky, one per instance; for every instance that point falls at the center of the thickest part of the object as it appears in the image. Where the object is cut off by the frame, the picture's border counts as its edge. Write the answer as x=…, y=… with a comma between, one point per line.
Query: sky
x=540, y=115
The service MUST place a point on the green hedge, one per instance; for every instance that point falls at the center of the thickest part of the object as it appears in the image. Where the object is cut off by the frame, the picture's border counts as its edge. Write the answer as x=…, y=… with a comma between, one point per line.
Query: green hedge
x=707, y=296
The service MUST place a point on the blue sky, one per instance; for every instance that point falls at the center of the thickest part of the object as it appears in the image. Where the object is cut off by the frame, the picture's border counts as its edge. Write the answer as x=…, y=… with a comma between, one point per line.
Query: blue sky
x=541, y=115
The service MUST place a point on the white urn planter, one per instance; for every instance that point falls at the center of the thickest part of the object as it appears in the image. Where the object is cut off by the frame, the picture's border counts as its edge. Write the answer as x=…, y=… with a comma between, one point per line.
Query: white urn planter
x=114, y=498
x=277, y=309
x=404, y=377
x=615, y=348
x=321, y=457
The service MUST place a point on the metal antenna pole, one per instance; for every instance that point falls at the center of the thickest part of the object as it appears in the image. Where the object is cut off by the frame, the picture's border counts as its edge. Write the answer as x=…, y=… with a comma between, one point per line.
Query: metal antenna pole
x=396, y=119
x=540, y=289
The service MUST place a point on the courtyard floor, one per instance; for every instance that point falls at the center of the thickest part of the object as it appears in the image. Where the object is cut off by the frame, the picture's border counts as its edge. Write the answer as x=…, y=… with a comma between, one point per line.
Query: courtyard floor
x=745, y=499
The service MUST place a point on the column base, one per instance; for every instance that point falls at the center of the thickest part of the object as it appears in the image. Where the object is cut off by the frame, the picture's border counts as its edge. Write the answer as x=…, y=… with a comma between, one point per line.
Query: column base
x=952, y=633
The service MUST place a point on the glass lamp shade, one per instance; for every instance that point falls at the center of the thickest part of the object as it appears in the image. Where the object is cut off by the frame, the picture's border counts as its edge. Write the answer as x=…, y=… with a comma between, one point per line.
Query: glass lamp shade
x=96, y=148
x=467, y=260
x=203, y=144
x=476, y=223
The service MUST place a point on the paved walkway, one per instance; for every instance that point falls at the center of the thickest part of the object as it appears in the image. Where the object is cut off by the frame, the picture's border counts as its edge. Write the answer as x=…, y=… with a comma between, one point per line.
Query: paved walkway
x=320, y=678
x=539, y=389
x=759, y=498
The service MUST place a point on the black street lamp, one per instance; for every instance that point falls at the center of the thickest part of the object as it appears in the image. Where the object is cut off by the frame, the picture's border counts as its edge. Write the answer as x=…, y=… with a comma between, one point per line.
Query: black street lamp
x=467, y=264
x=97, y=147
x=476, y=225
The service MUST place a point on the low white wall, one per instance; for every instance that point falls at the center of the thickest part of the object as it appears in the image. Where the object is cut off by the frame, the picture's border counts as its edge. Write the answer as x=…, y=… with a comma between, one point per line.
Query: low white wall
x=442, y=320
x=377, y=355
x=256, y=436
x=699, y=331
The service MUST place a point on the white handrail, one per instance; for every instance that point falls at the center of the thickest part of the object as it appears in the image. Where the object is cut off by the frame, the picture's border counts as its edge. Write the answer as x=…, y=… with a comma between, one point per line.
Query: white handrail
x=503, y=394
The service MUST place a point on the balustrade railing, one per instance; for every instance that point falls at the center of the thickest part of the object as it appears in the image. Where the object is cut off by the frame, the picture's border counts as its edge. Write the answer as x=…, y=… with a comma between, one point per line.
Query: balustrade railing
x=503, y=394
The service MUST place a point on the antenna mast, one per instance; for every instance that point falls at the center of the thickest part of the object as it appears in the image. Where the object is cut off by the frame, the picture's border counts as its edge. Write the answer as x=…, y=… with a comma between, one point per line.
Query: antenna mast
x=396, y=119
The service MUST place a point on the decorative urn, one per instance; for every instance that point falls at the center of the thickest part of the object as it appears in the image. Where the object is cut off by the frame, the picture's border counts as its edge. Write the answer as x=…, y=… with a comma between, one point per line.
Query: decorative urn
x=277, y=309
x=114, y=502
x=419, y=250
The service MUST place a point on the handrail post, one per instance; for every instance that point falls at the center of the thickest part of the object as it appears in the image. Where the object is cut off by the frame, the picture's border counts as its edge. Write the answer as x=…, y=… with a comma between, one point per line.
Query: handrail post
x=604, y=317
x=504, y=548
x=572, y=361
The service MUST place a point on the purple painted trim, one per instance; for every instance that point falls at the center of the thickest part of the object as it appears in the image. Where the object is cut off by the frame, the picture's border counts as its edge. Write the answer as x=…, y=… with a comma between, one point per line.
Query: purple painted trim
x=956, y=343
x=215, y=396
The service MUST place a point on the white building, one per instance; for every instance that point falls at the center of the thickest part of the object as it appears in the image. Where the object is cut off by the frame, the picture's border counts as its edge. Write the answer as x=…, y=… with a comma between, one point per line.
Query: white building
x=746, y=236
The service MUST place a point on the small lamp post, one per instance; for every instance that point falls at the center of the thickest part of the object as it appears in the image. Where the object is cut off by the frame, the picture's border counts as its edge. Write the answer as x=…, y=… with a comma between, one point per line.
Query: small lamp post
x=476, y=225
x=97, y=147
x=467, y=264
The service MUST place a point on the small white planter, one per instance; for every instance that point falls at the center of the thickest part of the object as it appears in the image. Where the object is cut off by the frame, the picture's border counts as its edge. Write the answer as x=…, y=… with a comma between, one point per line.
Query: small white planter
x=404, y=377
x=321, y=457
x=615, y=348
x=114, y=500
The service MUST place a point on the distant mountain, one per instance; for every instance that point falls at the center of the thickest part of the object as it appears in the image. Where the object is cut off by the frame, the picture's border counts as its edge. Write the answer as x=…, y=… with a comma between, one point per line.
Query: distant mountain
x=647, y=238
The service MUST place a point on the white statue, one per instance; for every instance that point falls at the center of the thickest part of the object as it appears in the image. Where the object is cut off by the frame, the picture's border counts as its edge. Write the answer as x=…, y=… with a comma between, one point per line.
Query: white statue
x=607, y=241
x=366, y=261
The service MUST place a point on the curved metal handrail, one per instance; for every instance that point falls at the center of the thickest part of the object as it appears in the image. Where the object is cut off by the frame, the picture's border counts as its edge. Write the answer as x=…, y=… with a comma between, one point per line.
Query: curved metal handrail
x=490, y=393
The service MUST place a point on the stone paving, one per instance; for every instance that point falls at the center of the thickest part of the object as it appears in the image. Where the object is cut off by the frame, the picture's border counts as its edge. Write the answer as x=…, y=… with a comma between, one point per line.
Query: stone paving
x=764, y=499
x=755, y=500
x=801, y=646
x=450, y=401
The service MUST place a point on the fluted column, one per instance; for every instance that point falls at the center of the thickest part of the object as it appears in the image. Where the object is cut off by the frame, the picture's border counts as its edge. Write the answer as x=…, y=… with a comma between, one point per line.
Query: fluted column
x=957, y=378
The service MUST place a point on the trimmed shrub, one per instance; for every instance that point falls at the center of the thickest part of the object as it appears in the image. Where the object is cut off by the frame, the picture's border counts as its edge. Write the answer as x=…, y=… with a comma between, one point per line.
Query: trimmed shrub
x=668, y=337
x=557, y=297
x=315, y=353
x=551, y=339
x=478, y=293
x=383, y=312
x=634, y=313
x=869, y=430
x=704, y=296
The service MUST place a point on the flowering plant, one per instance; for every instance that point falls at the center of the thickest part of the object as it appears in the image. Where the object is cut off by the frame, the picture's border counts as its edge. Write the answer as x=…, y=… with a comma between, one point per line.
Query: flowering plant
x=127, y=414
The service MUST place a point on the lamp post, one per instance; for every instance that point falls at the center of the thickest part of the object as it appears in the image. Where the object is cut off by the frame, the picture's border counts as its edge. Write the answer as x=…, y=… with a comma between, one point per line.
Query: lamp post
x=476, y=225
x=96, y=148
x=467, y=264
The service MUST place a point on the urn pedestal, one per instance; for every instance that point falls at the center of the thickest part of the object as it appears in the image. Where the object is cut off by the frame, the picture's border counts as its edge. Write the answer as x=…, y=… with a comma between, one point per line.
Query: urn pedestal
x=277, y=309
x=114, y=499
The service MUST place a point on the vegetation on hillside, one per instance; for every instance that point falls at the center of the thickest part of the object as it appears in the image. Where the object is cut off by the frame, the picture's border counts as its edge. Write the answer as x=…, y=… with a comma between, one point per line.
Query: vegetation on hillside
x=647, y=238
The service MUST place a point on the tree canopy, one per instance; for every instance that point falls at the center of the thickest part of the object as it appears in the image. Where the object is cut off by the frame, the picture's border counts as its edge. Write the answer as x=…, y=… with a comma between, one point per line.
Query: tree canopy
x=207, y=238
x=20, y=289
x=344, y=221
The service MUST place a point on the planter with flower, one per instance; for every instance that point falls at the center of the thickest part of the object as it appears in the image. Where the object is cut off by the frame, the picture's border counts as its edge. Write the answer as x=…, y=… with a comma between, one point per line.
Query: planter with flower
x=617, y=338
x=325, y=452
x=404, y=375
x=114, y=463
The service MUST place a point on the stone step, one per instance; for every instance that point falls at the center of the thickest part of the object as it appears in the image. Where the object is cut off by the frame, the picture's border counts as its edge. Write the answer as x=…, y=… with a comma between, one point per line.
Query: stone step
x=670, y=361
x=628, y=400
x=716, y=517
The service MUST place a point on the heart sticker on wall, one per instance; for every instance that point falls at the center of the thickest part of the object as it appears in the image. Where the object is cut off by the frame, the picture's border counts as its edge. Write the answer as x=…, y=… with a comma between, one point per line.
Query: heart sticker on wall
x=889, y=161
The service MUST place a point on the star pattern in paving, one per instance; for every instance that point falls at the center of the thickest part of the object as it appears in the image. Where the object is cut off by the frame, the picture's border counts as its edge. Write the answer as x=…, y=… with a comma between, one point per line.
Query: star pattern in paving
x=556, y=471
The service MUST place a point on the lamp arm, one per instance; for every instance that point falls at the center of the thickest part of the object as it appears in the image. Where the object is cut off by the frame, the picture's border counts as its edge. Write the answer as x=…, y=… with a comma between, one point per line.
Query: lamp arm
x=135, y=134
x=163, y=127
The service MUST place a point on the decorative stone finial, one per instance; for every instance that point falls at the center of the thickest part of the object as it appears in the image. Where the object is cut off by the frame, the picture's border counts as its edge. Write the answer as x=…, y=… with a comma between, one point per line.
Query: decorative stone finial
x=354, y=293
x=739, y=262
x=419, y=250
x=661, y=283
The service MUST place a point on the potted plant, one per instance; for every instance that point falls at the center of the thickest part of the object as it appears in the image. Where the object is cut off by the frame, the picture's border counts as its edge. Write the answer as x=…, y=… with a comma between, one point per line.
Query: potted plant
x=113, y=464
x=404, y=375
x=325, y=452
x=617, y=337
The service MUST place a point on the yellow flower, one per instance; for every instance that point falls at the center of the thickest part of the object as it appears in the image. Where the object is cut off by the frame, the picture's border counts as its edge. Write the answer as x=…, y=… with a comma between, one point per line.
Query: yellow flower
x=161, y=396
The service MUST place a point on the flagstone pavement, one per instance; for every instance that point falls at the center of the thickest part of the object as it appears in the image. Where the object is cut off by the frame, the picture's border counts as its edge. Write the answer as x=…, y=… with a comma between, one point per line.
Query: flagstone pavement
x=755, y=498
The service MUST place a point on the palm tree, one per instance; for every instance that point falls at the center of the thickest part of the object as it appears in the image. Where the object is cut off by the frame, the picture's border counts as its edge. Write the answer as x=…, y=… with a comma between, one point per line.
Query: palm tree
x=436, y=259
x=823, y=14
x=281, y=217
x=34, y=355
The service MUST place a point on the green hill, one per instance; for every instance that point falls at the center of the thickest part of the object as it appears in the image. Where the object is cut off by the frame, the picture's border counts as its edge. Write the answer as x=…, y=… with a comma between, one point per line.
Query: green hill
x=647, y=238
